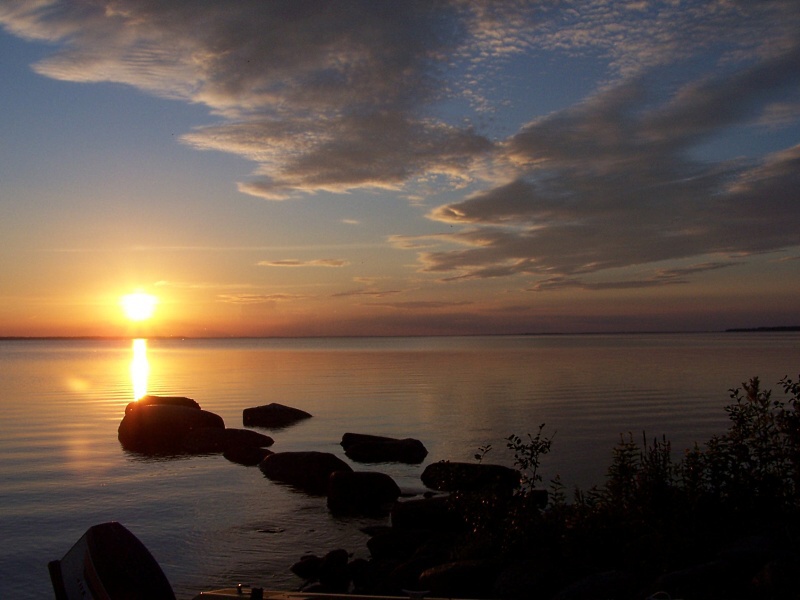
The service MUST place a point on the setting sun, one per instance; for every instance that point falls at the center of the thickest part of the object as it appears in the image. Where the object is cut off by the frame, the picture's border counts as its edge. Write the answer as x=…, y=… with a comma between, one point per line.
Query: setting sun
x=139, y=306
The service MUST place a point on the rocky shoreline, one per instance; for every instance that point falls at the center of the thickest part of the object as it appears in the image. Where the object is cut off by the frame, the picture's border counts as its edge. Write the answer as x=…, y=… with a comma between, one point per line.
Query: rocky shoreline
x=486, y=531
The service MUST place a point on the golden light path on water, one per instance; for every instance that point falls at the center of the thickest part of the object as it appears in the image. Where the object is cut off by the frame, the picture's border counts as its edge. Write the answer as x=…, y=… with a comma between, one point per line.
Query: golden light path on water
x=140, y=368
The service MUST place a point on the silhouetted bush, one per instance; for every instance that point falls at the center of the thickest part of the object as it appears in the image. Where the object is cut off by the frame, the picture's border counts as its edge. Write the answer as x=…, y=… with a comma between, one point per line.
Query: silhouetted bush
x=720, y=522
x=653, y=513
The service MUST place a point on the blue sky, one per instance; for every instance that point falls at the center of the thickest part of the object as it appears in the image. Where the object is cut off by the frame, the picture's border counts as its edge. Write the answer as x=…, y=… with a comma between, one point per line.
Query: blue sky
x=346, y=168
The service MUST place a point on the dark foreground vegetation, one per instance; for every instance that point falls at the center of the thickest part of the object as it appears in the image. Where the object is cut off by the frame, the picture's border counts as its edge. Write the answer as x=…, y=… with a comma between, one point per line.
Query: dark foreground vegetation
x=720, y=521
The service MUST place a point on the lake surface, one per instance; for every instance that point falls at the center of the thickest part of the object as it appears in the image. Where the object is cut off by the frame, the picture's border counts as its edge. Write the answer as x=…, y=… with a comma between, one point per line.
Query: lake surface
x=211, y=523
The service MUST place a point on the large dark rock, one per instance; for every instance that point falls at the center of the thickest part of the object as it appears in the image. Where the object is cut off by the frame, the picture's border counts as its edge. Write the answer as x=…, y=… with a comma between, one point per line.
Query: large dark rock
x=248, y=456
x=361, y=492
x=246, y=447
x=243, y=446
x=308, y=471
x=156, y=428
x=307, y=567
x=208, y=440
x=329, y=574
x=162, y=400
x=246, y=437
x=272, y=416
x=361, y=447
x=461, y=476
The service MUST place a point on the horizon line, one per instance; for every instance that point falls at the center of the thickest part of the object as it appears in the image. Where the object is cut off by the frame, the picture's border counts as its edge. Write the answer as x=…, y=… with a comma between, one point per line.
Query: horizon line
x=761, y=329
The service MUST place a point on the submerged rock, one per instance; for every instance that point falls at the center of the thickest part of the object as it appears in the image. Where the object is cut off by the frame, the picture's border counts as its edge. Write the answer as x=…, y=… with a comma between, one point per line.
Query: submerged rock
x=272, y=416
x=246, y=455
x=246, y=447
x=308, y=471
x=234, y=442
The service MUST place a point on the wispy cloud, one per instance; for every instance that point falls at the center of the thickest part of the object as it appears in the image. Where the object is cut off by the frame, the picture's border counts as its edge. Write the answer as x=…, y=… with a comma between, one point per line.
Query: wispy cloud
x=258, y=298
x=292, y=262
x=610, y=183
x=660, y=278
x=369, y=292
x=417, y=305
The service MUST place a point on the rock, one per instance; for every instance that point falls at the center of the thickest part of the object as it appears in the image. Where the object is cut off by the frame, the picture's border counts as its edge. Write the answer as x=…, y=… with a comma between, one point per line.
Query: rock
x=373, y=448
x=207, y=440
x=330, y=573
x=452, y=476
x=360, y=572
x=333, y=573
x=156, y=428
x=361, y=492
x=246, y=455
x=308, y=471
x=246, y=438
x=307, y=567
x=246, y=447
x=460, y=579
x=273, y=416
x=162, y=400
x=435, y=514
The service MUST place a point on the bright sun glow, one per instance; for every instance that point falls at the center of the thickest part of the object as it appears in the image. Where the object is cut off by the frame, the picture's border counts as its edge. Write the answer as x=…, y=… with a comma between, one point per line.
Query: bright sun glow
x=139, y=306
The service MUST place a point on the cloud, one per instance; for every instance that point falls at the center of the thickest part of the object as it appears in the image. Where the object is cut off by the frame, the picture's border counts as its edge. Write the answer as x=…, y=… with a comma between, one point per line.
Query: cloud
x=421, y=305
x=291, y=262
x=337, y=96
x=660, y=278
x=374, y=293
x=257, y=298
x=610, y=183
x=322, y=96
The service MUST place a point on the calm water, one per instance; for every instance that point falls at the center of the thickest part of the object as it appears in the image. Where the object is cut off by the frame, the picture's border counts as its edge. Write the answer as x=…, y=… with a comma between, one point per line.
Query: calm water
x=211, y=523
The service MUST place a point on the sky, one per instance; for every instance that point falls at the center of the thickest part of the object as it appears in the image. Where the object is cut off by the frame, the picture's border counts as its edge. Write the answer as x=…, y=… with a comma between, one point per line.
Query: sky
x=310, y=168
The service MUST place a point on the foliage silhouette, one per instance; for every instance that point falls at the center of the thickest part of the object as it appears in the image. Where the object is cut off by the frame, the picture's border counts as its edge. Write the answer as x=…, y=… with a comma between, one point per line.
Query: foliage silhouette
x=654, y=513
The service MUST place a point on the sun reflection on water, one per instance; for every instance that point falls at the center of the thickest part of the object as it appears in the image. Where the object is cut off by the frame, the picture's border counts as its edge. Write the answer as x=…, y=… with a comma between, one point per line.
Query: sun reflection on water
x=140, y=368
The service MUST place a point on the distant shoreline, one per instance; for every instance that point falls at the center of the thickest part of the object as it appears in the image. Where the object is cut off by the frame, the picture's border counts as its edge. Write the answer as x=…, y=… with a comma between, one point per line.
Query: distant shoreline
x=12, y=338
x=765, y=329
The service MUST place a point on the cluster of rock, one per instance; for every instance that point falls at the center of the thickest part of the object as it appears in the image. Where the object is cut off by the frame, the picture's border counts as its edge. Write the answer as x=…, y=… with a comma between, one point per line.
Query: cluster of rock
x=418, y=551
x=414, y=553
x=169, y=425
